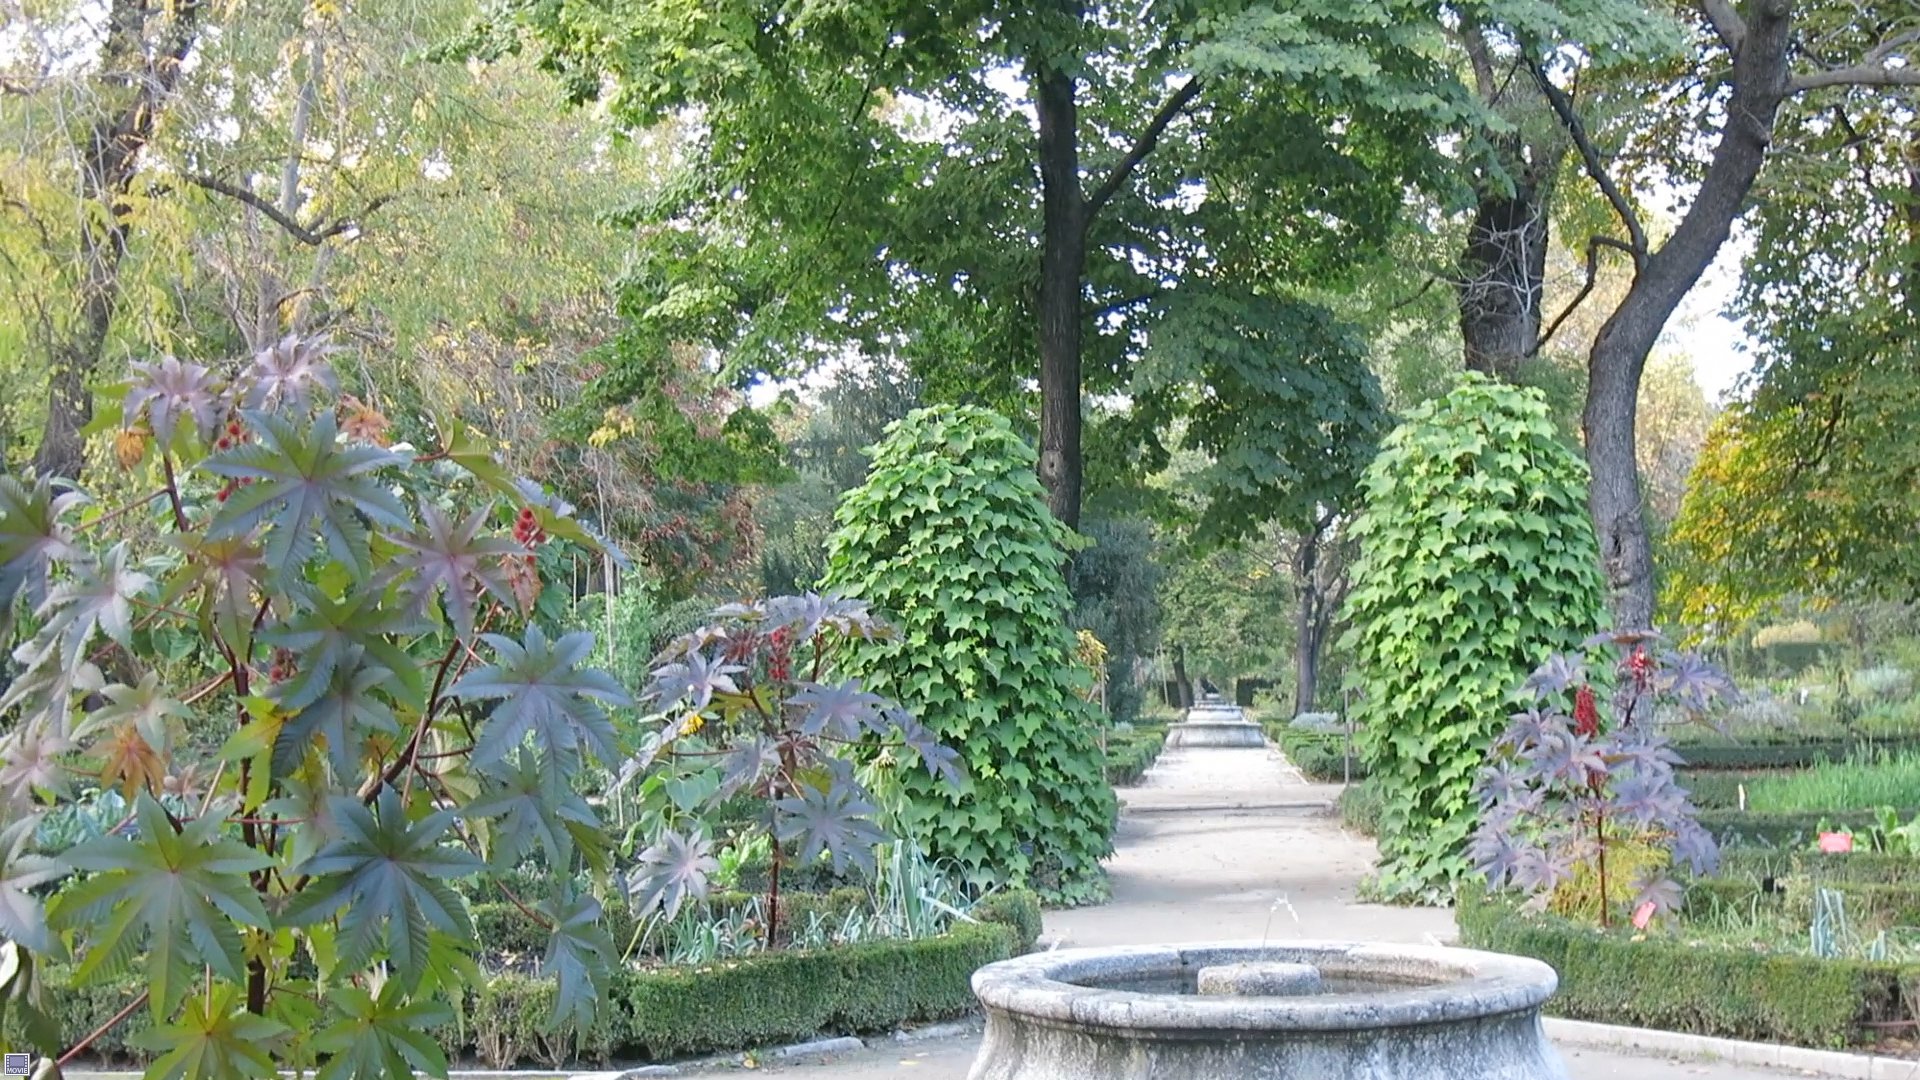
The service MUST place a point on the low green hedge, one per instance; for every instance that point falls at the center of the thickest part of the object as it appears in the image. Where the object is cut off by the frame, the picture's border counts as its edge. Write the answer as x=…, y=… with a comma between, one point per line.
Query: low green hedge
x=1319, y=755
x=1870, y=867
x=1669, y=984
x=1360, y=807
x=1786, y=755
x=1756, y=828
x=751, y=1001
x=1132, y=751
x=1869, y=903
x=507, y=928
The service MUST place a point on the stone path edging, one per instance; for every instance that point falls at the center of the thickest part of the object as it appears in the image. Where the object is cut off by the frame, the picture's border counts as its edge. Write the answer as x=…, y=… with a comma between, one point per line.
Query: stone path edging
x=1838, y=1064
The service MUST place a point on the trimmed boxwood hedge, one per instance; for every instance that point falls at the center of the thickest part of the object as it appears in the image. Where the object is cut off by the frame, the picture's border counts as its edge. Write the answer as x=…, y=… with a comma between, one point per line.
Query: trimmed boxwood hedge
x=652, y=1014
x=1786, y=755
x=1661, y=983
x=1131, y=752
x=1750, y=827
x=1360, y=806
x=1863, y=866
x=1319, y=755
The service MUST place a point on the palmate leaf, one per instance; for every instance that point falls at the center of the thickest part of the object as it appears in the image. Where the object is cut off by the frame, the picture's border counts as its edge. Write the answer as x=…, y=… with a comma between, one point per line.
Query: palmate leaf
x=580, y=957
x=388, y=874
x=227, y=572
x=453, y=559
x=97, y=599
x=304, y=483
x=31, y=536
x=184, y=891
x=216, y=1039
x=284, y=374
x=534, y=805
x=380, y=1037
x=22, y=918
x=346, y=708
x=671, y=872
x=541, y=690
x=836, y=821
x=840, y=710
x=172, y=391
x=332, y=633
x=30, y=760
x=694, y=680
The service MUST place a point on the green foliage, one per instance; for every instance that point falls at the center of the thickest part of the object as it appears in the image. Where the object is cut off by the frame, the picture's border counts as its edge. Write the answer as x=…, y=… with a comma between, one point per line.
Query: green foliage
x=1131, y=751
x=950, y=537
x=1678, y=985
x=1319, y=755
x=1477, y=562
x=1361, y=807
x=301, y=737
x=1114, y=581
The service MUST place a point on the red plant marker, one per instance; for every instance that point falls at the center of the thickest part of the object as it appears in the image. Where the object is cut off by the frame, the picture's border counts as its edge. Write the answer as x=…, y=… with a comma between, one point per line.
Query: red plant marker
x=1643, y=914
x=1835, y=842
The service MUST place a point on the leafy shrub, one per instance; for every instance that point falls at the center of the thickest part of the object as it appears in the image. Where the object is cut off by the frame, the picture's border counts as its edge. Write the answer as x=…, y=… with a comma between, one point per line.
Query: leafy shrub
x=1884, y=682
x=1477, y=562
x=363, y=633
x=748, y=710
x=1317, y=721
x=1114, y=583
x=951, y=538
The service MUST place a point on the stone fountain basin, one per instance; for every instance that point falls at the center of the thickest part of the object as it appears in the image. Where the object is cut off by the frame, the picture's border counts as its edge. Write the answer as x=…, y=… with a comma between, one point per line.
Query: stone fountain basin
x=1385, y=1012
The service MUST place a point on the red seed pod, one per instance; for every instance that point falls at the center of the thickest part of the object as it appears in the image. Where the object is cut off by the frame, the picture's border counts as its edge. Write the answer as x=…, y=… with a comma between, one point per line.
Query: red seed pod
x=1586, y=714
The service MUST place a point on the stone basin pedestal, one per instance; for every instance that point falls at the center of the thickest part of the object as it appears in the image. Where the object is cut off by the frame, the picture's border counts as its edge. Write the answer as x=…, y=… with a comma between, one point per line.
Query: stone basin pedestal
x=1216, y=725
x=1298, y=1011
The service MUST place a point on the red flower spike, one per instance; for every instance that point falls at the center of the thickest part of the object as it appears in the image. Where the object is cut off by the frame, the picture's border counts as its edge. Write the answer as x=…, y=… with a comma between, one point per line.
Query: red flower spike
x=1586, y=715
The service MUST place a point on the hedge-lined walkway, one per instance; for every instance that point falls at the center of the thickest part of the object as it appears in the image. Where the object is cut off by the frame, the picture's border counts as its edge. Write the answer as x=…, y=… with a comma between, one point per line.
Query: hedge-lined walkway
x=1209, y=845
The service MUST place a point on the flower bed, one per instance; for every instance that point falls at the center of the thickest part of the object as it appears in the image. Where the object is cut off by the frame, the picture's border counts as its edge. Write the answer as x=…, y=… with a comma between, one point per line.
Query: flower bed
x=1679, y=984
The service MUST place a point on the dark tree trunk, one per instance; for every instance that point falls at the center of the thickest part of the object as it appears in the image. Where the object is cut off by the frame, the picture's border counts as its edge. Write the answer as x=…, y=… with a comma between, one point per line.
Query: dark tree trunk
x=1503, y=268
x=1063, y=257
x=109, y=163
x=1184, y=685
x=1502, y=276
x=1308, y=624
x=1760, y=84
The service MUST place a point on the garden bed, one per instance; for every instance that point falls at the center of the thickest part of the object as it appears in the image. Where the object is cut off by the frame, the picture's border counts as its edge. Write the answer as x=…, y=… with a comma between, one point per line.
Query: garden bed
x=1677, y=983
x=1756, y=828
x=652, y=1014
x=1715, y=756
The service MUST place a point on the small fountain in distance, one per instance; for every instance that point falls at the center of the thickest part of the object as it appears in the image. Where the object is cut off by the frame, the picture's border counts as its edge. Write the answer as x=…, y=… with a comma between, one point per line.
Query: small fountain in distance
x=1213, y=722
x=1297, y=1011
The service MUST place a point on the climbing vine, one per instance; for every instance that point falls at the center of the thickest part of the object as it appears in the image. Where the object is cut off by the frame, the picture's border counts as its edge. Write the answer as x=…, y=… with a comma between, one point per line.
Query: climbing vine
x=1477, y=563
x=950, y=538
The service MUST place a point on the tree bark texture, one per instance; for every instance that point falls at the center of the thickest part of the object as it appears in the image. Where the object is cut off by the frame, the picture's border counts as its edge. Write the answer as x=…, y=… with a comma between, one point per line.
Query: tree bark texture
x=1063, y=258
x=142, y=74
x=1503, y=274
x=1503, y=268
x=1760, y=83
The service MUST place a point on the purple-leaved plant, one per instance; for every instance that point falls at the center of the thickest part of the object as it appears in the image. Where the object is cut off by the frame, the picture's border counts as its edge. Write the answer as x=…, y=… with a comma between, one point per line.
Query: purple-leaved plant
x=1564, y=788
x=749, y=701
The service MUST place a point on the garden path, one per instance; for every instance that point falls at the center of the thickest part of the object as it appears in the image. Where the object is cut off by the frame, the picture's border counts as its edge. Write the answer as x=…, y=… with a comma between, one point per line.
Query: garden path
x=1226, y=844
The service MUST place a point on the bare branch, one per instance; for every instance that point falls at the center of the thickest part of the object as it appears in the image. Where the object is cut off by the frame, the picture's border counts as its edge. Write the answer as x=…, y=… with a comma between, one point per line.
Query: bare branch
x=1727, y=24
x=1142, y=146
x=313, y=237
x=1594, y=244
x=1878, y=74
x=1597, y=169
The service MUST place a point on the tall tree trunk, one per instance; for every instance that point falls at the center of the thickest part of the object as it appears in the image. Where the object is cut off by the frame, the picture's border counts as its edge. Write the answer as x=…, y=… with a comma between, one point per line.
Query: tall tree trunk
x=1760, y=84
x=1183, y=692
x=1503, y=268
x=1308, y=622
x=1503, y=273
x=146, y=77
x=1063, y=258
